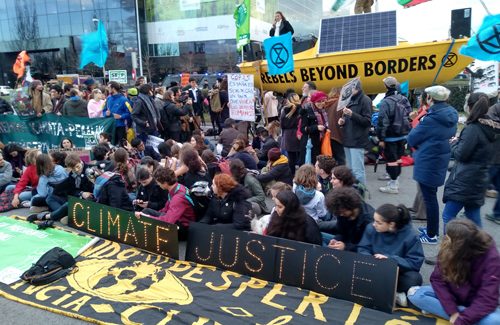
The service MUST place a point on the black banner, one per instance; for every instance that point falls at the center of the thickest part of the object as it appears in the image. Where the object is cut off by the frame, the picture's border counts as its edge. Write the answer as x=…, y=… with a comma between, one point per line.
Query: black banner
x=122, y=226
x=345, y=275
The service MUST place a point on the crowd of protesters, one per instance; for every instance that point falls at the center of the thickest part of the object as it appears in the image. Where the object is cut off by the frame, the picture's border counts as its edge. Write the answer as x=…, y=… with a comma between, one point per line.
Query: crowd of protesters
x=317, y=197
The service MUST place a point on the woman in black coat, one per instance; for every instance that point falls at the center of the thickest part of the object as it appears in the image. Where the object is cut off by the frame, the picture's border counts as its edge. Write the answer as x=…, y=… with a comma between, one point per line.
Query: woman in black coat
x=314, y=123
x=171, y=116
x=289, y=121
x=473, y=149
x=149, y=193
x=290, y=221
x=229, y=206
x=282, y=24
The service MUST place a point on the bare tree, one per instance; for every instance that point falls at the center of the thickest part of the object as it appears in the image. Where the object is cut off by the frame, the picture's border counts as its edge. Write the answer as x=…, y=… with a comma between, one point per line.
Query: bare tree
x=27, y=31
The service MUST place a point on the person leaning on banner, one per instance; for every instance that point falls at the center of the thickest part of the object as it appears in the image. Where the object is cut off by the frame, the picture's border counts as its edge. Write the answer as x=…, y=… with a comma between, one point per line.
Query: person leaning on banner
x=171, y=114
x=118, y=107
x=144, y=150
x=40, y=100
x=363, y=6
x=58, y=99
x=281, y=26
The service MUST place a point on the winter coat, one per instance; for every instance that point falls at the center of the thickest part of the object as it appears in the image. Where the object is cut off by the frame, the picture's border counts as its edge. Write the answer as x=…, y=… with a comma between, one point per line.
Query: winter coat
x=494, y=114
x=189, y=178
x=289, y=125
x=312, y=200
x=312, y=234
x=233, y=209
x=5, y=107
x=402, y=246
x=309, y=128
x=5, y=173
x=114, y=194
x=279, y=172
x=74, y=185
x=246, y=158
x=257, y=193
x=479, y=294
x=469, y=177
x=149, y=151
x=431, y=139
x=75, y=106
x=226, y=138
x=118, y=104
x=356, y=127
x=333, y=119
x=285, y=27
x=94, y=108
x=46, y=183
x=170, y=117
x=387, y=113
x=145, y=112
x=267, y=145
x=153, y=194
x=28, y=178
x=178, y=209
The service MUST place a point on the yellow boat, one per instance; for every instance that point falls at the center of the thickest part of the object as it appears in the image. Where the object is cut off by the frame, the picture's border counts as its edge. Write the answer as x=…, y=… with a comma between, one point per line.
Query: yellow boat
x=420, y=64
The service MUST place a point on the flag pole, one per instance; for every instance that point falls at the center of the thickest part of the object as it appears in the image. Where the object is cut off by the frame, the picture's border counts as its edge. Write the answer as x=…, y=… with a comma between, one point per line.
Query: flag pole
x=485, y=8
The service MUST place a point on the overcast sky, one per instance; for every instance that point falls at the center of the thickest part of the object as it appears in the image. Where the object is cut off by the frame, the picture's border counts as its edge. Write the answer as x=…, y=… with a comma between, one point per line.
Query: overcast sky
x=431, y=20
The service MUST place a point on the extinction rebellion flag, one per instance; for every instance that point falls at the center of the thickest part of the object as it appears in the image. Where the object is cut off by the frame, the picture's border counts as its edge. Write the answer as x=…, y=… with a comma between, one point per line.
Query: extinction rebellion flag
x=279, y=54
x=242, y=21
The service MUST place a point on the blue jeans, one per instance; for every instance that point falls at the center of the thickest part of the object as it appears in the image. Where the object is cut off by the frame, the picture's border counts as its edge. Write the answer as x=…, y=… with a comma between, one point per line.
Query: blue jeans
x=326, y=238
x=355, y=159
x=54, y=202
x=495, y=180
x=23, y=196
x=452, y=208
x=425, y=299
x=429, y=193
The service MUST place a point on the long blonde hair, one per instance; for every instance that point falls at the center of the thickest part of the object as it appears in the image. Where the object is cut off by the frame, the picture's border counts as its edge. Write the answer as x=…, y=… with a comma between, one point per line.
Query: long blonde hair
x=294, y=101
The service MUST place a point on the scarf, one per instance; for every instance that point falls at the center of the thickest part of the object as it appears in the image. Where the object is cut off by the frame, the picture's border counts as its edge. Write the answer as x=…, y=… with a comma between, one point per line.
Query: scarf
x=322, y=119
x=281, y=160
x=305, y=195
x=152, y=109
x=37, y=101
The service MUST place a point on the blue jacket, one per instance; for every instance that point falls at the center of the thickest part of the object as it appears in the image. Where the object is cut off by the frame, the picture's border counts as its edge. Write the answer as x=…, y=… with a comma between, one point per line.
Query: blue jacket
x=118, y=104
x=431, y=139
x=46, y=183
x=403, y=246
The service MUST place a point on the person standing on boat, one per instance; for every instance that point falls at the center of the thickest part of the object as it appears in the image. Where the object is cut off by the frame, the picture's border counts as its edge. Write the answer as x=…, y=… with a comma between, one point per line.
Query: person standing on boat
x=281, y=26
x=363, y=6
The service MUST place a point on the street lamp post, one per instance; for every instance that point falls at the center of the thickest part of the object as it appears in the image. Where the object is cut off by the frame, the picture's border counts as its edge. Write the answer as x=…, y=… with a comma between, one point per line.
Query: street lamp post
x=138, y=36
x=96, y=23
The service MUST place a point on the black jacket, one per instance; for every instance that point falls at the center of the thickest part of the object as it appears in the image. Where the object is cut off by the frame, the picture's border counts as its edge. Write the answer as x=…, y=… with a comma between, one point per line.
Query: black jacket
x=279, y=173
x=387, y=113
x=74, y=184
x=75, y=108
x=234, y=209
x=149, y=151
x=198, y=105
x=351, y=232
x=153, y=194
x=170, y=117
x=145, y=111
x=189, y=178
x=468, y=179
x=114, y=194
x=356, y=127
x=268, y=144
x=289, y=127
x=285, y=27
x=5, y=107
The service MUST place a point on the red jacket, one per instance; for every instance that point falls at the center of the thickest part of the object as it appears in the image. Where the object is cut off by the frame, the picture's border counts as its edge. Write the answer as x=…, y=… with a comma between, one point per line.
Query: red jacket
x=178, y=208
x=29, y=177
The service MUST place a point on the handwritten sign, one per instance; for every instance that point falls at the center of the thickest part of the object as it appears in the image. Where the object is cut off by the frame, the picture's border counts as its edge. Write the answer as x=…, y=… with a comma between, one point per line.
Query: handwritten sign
x=241, y=96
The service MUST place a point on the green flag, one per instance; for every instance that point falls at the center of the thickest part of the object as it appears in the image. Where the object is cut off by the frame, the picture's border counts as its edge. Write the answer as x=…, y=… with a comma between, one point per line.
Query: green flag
x=242, y=21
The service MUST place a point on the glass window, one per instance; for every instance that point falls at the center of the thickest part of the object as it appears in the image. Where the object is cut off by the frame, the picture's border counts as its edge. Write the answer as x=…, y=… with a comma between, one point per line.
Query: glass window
x=43, y=27
x=52, y=7
x=76, y=23
x=114, y=4
x=4, y=26
x=88, y=4
x=129, y=21
x=75, y=5
x=115, y=20
x=88, y=23
x=62, y=5
x=11, y=4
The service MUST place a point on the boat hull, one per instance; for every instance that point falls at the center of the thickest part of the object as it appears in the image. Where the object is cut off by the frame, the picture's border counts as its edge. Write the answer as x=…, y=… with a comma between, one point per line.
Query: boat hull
x=417, y=63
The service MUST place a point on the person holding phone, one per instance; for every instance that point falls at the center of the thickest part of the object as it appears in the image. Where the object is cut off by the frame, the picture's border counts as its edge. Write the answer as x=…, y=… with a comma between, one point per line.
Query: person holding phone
x=281, y=26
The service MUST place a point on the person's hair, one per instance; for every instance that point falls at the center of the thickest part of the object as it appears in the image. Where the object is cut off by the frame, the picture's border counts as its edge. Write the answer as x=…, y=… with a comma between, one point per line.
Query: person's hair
x=397, y=214
x=294, y=104
x=165, y=175
x=149, y=162
x=115, y=85
x=463, y=242
x=168, y=95
x=229, y=122
x=175, y=90
x=96, y=91
x=164, y=150
x=135, y=142
x=478, y=107
x=264, y=133
x=192, y=79
x=311, y=84
x=326, y=163
x=58, y=157
x=191, y=159
x=239, y=144
x=342, y=198
x=61, y=144
x=105, y=135
x=44, y=165
x=67, y=88
x=142, y=174
x=57, y=88
x=291, y=224
x=345, y=175
x=198, y=132
x=121, y=161
x=74, y=92
x=238, y=169
x=208, y=156
x=72, y=159
x=200, y=143
x=423, y=98
x=280, y=186
x=175, y=150
x=145, y=89
x=223, y=84
x=334, y=92
x=281, y=14
x=30, y=156
x=306, y=176
x=224, y=182
x=244, y=138
x=100, y=151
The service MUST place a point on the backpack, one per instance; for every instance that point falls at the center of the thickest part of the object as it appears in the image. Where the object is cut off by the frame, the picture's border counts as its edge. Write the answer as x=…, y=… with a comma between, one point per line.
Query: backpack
x=224, y=166
x=199, y=196
x=101, y=181
x=53, y=265
x=400, y=124
x=215, y=104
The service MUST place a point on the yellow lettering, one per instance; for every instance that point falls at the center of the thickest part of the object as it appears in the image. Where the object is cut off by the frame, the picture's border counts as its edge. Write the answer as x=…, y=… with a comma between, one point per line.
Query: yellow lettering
x=63, y=298
x=227, y=282
x=253, y=283
x=258, y=269
x=41, y=295
x=130, y=225
x=276, y=290
x=78, y=303
x=115, y=222
x=125, y=316
x=282, y=250
x=211, y=246
x=145, y=224
x=316, y=271
x=285, y=319
x=315, y=300
x=75, y=222
x=197, y=270
x=32, y=289
x=353, y=317
x=235, y=252
x=109, y=249
x=355, y=277
x=170, y=315
x=232, y=311
x=160, y=240
x=127, y=253
x=88, y=221
x=180, y=266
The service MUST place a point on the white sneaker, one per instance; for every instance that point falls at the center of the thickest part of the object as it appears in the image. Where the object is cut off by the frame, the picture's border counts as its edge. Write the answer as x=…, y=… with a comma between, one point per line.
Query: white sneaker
x=64, y=220
x=401, y=299
x=384, y=177
x=390, y=189
x=26, y=204
x=412, y=290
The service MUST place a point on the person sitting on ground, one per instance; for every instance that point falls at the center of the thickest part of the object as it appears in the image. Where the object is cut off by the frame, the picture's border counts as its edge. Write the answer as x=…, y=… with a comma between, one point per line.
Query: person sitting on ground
x=243, y=177
x=124, y=169
x=353, y=215
x=268, y=142
x=259, y=224
x=144, y=150
x=105, y=140
x=5, y=173
x=150, y=164
x=101, y=158
x=49, y=175
x=229, y=205
x=392, y=236
x=290, y=221
x=58, y=157
x=277, y=169
x=305, y=187
x=149, y=193
x=75, y=106
x=14, y=154
x=196, y=169
x=342, y=176
x=228, y=135
x=212, y=163
x=464, y=283
x=26, y=187
x=66, y=144
x=198, y=143
x=178, y=208
x=207, y=142
x=324, y=166
x=110, y=190
x=238, y=151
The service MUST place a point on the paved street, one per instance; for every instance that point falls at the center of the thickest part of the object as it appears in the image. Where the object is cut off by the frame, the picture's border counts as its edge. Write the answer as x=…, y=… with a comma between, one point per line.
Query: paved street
x=17, y=314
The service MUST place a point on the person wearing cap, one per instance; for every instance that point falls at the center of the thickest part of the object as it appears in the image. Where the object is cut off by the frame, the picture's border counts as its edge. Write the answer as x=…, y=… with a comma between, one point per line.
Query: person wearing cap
x=314, y=123
x=392, y=132
x=277, y=169
x=431, y=139
x=132, y=95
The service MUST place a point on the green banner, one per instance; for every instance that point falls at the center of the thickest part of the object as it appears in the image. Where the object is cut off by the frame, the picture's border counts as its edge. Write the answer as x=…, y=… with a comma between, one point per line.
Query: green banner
x=242, y=21
x=22, y=245
x=47, y=131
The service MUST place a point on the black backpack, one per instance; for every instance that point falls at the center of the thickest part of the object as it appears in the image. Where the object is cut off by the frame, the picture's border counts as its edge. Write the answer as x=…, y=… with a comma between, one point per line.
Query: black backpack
x=400, y=124
x=53, y=265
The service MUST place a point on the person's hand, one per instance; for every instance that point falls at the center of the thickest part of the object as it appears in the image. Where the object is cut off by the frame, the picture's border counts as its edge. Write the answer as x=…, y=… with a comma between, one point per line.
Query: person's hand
x=453, y=318
x=336, y=244
x=38, y=114
x=453, y=139
x=19, y=170
x=108, y=113
x=147, y=124
x=321, y=128
x=341, y=121
x=86, y=195
x=380, y=256
x=137, y=214
x=347, y=111
x=413, y=115
x=15, y=201
x=381, y=144
x=189, y=102
x=142, y=204
x=117, y=116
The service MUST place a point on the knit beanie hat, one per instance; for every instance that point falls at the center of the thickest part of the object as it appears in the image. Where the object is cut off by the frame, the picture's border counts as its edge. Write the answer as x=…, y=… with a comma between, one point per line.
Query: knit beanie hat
x=273, y=154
